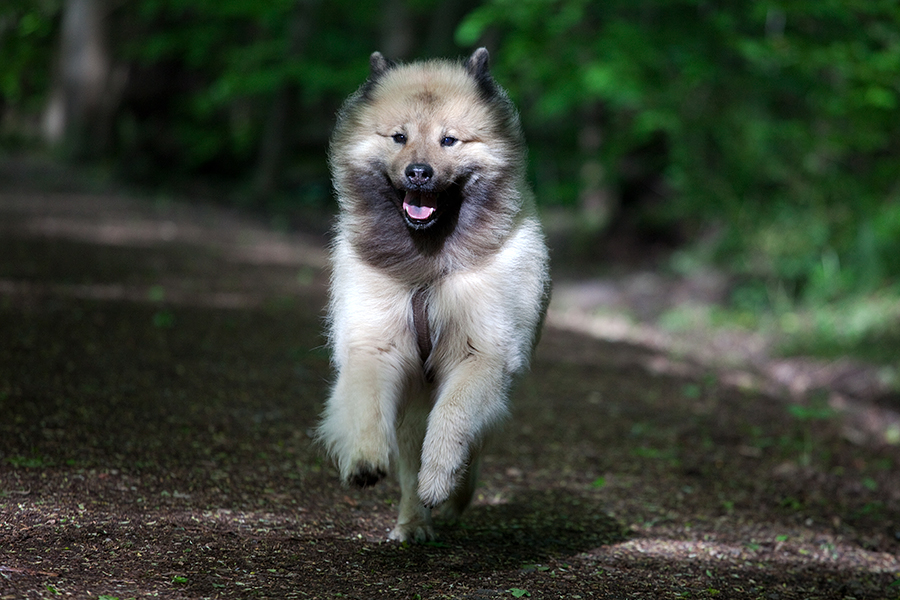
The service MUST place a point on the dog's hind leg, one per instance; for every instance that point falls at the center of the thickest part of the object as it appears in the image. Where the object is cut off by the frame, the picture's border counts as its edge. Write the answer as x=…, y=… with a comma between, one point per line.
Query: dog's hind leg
x=414, y=522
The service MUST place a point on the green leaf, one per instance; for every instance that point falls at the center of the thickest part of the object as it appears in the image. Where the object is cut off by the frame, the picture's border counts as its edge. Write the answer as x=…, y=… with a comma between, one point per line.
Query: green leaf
x=156, y=293
x=473, y=26
x=811, y=413
x=164, y=319
x=518, y=592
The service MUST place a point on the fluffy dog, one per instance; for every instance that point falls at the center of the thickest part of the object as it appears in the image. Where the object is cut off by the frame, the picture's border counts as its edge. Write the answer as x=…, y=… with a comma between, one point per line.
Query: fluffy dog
x=440, y=280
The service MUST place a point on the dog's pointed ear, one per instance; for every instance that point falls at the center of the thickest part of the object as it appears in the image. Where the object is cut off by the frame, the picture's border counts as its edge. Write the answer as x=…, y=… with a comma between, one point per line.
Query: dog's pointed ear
x=478, y=64
x=379, y=65
x=478, y=68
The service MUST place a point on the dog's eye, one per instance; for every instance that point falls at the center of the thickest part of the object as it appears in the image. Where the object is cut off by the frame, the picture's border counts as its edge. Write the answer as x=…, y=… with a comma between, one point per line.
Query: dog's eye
x=448, y=141
x=399, y=138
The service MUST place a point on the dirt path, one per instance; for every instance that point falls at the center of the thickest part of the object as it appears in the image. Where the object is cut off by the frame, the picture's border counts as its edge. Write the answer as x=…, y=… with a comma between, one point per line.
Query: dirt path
x=161, y=368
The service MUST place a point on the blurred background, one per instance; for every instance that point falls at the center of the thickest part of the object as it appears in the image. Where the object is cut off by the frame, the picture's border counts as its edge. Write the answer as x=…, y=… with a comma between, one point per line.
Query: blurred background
x=751, y=144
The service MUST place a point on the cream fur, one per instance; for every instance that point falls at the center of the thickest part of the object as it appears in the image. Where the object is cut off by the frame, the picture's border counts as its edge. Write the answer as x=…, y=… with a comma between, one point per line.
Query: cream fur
x=378, y=413
x=484, y=311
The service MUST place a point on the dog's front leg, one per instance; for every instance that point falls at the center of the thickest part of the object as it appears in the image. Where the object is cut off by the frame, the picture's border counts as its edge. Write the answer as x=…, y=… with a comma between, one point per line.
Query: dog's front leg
x=358, y=427
x=471, y=398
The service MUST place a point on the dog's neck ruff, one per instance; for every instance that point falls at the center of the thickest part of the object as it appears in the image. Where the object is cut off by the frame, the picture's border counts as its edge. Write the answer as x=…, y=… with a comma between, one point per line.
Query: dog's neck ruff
x=420, y=326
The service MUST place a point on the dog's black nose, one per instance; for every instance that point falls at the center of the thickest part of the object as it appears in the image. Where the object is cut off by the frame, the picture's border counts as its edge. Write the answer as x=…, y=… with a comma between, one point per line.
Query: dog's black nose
x=419, y=173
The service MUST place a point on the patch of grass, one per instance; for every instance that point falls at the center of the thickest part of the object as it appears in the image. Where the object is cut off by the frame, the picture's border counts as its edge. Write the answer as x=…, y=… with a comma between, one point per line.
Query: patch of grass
x=28, y=462
x=872, y=510
x=805, y=415
x=164, y=319
x=156, y=293
x=668, y=455
x=867, y=327
x=692, y=391
x=791, y=503
x=864, y=326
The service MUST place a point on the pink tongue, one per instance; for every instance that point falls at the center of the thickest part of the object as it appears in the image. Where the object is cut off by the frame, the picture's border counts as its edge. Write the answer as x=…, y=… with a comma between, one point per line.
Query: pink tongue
x=418, y=213
x=424, y=207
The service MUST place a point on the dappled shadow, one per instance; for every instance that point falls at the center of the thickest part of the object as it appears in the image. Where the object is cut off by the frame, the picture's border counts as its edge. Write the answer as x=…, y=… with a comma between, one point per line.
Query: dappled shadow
x=207, y=269
x=539, y=523
x=153, y=441
x=532, y=527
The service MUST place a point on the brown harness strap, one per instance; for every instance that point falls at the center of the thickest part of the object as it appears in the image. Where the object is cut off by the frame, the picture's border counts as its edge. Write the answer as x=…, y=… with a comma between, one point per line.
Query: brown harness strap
x=420, y=324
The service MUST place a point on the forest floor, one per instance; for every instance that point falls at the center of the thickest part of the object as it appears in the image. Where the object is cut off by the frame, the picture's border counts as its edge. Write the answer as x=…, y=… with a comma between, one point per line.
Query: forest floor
x=162, y=367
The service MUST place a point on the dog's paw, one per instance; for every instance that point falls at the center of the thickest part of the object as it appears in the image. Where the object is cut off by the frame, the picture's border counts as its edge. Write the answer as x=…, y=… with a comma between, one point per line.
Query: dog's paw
x=365, y=475
x=416, y=531
x=443, y=463
x=436, y=483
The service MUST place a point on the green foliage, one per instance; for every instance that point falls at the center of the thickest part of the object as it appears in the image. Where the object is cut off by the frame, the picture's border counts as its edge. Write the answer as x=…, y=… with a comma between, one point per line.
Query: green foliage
x=28, y=30
x=817, y=411
x=237, y=56
x=164, y=319
x=30, y=462
x=776, y=121
x=866, y=327
x=769, y=127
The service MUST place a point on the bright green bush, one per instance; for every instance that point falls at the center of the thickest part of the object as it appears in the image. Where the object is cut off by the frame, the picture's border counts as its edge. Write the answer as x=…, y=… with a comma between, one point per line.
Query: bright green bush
x=778, y=121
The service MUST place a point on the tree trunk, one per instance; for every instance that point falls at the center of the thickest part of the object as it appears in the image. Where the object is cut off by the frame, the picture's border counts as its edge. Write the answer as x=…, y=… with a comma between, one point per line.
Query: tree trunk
x=276, y=136
x=78, y=115
x=597, y=201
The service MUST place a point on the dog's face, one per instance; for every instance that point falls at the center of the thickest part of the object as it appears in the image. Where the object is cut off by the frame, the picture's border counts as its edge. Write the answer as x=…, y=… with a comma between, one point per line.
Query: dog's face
x=431, y=133
x=428, y=165
x=429, y=152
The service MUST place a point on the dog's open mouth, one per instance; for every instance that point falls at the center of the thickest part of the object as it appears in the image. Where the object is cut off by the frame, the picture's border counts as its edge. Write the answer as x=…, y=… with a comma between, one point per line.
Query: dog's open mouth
x=423, y=207
x=420, y=207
